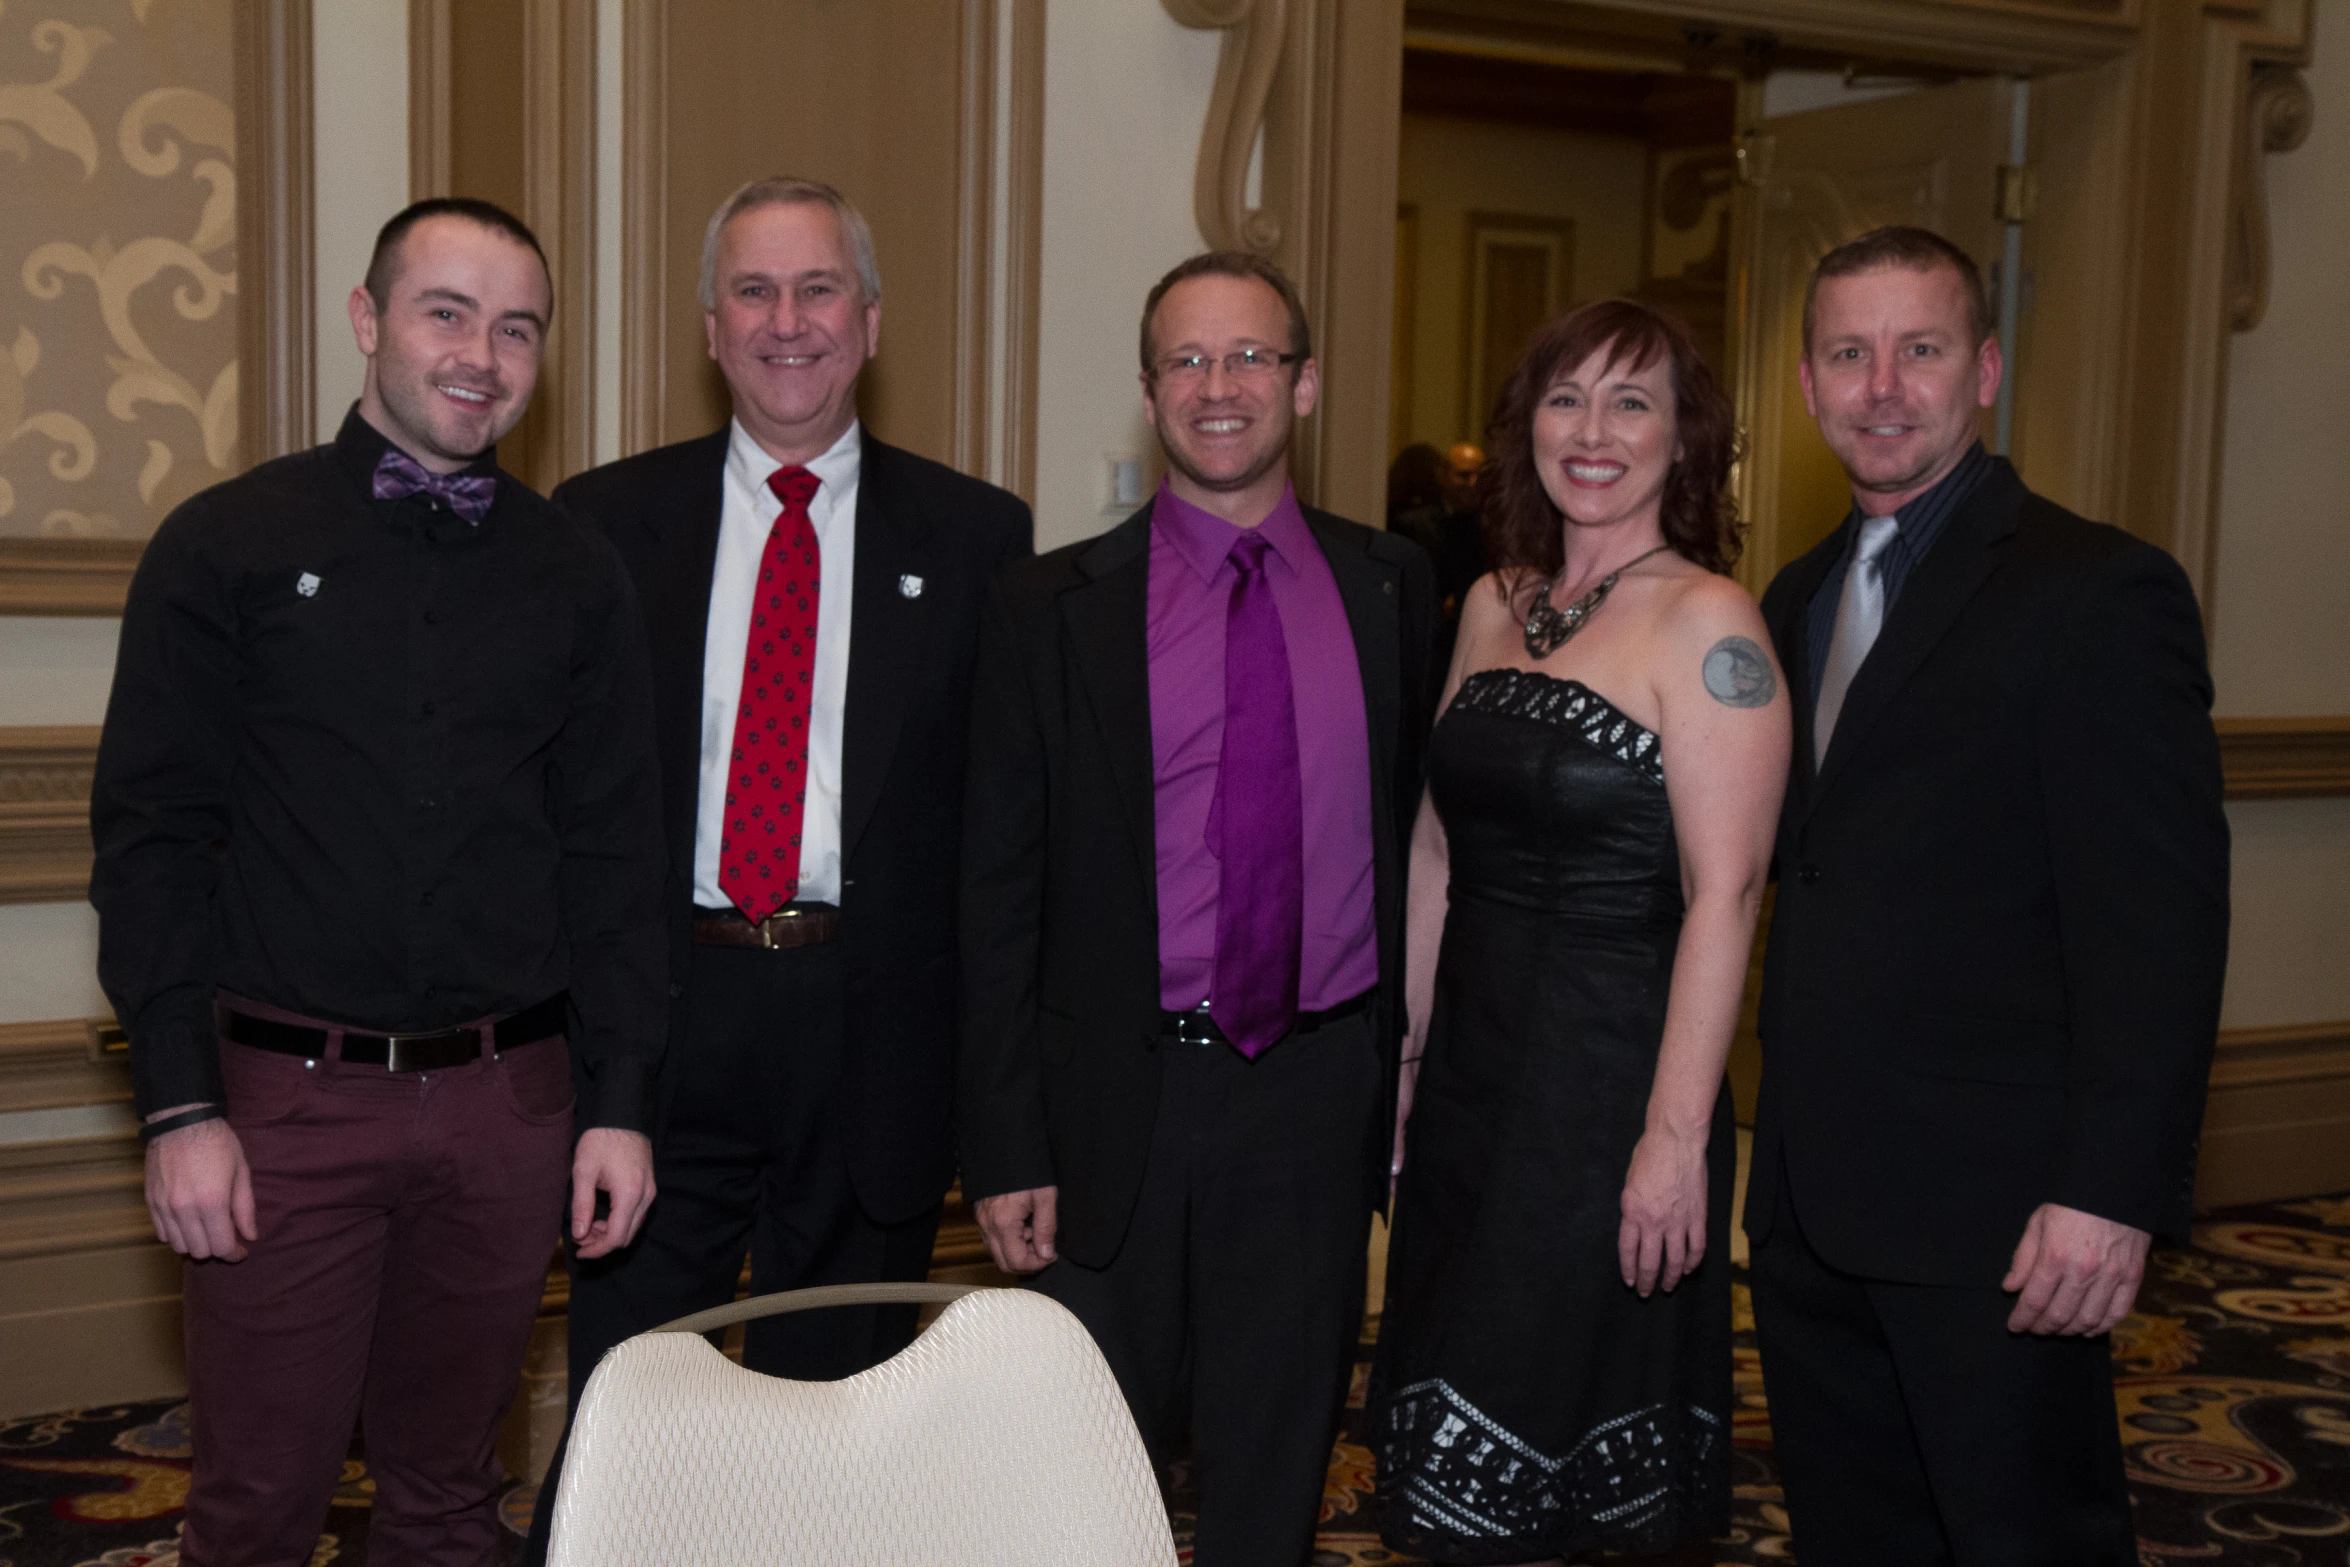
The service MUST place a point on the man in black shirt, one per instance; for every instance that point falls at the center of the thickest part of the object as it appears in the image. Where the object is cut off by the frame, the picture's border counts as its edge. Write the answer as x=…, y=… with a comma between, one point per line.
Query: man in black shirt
x=377, y=823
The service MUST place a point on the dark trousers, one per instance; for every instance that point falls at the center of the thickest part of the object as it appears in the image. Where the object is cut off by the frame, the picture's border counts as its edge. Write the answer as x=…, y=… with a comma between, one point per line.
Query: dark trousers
x=406, y=1223
x=1912, y=1428
x=1237, y=1296
x=753, y=1157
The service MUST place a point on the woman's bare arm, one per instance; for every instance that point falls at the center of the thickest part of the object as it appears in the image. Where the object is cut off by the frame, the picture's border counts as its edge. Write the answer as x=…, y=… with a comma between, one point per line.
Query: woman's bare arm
x=1725, y=729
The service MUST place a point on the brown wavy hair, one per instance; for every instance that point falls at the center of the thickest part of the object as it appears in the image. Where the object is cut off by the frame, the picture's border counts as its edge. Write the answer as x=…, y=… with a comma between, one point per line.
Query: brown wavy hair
x=1523, y=534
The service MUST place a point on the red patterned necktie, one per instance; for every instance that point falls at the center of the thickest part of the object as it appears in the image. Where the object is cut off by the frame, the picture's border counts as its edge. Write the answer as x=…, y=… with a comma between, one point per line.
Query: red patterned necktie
x=767, y=789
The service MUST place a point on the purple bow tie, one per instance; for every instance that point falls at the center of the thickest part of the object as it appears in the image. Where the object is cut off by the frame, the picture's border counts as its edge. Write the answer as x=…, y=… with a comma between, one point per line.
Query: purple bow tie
x=468, y=495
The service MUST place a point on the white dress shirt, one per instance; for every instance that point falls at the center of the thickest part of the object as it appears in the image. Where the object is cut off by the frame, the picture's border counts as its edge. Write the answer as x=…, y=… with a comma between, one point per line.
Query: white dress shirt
x=745, y=518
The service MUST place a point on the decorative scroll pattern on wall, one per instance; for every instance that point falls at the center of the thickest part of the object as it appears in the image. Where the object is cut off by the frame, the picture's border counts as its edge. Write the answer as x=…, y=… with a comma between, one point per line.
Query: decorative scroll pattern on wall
x=118, y=329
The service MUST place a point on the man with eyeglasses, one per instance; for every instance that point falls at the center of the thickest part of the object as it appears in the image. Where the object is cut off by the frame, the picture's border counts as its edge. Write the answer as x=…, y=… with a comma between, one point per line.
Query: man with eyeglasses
x=1194, y=761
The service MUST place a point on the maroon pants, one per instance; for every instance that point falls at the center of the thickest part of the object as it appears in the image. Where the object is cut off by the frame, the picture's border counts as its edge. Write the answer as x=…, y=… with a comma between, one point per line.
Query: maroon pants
x=406, y=1221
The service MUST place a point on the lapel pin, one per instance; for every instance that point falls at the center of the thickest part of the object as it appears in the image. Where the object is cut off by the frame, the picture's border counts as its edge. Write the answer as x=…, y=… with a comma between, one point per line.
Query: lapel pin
x=909, y=586
x=307, y=584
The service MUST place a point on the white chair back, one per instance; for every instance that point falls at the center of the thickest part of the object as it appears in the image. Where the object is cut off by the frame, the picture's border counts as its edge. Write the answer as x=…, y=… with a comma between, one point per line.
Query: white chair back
x=997, y=1439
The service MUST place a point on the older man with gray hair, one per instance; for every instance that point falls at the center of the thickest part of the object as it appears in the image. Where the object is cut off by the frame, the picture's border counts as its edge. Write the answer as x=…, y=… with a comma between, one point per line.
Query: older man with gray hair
x=812, y=600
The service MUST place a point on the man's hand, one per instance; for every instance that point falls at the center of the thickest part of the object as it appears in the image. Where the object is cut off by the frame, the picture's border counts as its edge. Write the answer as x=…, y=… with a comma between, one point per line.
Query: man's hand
x=2077, y=1273
x=1020, y=1227
x=620, y=1165
x=199, y=1191
x=1407, y=1079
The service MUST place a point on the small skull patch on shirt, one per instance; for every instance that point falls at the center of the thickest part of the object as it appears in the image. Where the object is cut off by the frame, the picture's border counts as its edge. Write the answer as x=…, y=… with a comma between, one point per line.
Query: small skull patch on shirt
x=909, y=586
x=307, y=584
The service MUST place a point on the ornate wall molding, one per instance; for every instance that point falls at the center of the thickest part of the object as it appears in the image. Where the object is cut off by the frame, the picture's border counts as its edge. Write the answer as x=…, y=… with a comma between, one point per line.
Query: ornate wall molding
x=1254, y=32
x=45, y=774
x=40, y=576
x=644, y=195
x=2277, y=111
x=2285, y=758
x=276, y=258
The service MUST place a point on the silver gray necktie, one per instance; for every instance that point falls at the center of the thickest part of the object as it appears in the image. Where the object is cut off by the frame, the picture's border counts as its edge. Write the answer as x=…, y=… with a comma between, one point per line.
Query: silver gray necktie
x=1860, y=615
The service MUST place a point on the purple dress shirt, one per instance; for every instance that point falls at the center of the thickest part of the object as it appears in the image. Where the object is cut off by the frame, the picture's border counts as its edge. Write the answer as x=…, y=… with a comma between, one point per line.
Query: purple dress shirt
x=1191, y=581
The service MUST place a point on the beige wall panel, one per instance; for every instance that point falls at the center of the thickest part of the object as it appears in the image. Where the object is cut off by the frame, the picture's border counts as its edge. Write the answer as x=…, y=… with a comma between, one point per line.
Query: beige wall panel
x=2289, y=949
x=49, y=962
x=2281, y=623
x=56, y=669
x=2069, y=382
x=1125, y=90
x=360, y=174
x=1450, y=168
x=95, y=1327
x=877, y=117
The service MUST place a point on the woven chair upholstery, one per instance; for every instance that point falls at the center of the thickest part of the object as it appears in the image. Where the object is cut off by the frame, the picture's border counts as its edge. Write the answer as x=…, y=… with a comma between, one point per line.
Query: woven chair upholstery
x=997, y=1438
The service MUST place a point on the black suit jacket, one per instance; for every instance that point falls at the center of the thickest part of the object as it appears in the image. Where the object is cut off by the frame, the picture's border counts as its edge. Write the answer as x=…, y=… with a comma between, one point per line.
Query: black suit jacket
x=1061, y=903
x=1994, y=967
x=910, y=663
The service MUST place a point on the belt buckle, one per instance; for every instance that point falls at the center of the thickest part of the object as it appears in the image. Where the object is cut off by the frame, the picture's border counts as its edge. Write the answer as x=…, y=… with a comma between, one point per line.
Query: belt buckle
x=395, y=1044
x=768, y=926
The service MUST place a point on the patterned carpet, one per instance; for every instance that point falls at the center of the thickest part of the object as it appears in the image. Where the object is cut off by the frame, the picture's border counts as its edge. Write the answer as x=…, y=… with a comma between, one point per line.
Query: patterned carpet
x=2234, y=1383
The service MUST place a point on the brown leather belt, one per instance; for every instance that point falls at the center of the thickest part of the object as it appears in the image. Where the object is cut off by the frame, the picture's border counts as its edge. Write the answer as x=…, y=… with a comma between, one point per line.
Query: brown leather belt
x=793, y=925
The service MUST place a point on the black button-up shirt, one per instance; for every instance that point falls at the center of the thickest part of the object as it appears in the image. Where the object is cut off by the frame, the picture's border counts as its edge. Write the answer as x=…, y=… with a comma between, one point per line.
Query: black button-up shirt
x=1916, y=529
x=379, y=766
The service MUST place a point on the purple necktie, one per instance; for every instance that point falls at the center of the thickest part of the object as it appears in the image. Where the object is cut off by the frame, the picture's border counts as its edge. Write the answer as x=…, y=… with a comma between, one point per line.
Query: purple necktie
x=468, y=495
x=1259, y=817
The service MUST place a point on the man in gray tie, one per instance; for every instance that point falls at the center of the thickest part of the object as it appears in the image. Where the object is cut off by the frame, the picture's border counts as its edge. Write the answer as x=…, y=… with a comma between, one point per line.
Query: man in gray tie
x=1994, y=970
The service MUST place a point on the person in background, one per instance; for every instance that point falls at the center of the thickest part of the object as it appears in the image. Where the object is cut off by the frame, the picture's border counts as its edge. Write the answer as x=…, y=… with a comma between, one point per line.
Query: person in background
x=376, y=819
x=1553, y=1376
x=1194, y=750
x=1993, y=981
x=1429, y=503
x=811, y=595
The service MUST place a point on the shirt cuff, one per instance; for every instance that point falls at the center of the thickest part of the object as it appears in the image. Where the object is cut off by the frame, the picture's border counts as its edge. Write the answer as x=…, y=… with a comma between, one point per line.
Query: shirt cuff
x=619, y=1096
x=175, y=1061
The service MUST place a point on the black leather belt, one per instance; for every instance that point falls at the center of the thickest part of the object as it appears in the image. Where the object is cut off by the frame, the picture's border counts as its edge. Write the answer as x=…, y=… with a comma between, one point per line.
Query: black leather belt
x=1197, y=1027
x=434, y=1052
x=793, y=925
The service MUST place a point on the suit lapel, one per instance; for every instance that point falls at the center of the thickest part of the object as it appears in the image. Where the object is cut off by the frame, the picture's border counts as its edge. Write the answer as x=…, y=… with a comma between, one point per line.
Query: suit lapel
x=1938, y=589
x=1368, y=589
x=1108, y=619
x=888, y=631
x=1792, y=632
x=682, y=616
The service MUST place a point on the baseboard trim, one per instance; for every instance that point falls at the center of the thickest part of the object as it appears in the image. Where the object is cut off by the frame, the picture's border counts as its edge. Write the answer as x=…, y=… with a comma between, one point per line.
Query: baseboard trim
x=2277, y=1121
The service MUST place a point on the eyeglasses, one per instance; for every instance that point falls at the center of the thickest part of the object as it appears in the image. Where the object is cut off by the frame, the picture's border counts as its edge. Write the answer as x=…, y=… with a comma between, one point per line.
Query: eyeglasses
x=1248, y=363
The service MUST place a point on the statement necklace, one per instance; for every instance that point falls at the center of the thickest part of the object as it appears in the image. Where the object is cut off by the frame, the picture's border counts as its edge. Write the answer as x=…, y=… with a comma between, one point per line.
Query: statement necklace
x=1548, y=627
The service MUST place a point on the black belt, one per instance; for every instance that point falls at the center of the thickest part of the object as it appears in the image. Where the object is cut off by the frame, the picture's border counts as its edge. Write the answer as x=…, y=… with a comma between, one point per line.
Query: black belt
x=1197, y=1027
x=434, y=1052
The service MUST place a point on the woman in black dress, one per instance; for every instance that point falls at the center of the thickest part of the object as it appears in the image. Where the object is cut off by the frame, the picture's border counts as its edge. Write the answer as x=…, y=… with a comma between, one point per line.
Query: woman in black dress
x=1553, y=1377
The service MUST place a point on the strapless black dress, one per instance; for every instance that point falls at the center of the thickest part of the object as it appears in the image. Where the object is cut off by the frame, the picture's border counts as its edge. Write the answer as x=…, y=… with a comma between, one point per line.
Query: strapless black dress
x=1525, y=1403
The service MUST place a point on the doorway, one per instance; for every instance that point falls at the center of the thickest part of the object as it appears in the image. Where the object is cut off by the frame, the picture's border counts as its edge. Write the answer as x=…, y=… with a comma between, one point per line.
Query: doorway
x=1544, y=163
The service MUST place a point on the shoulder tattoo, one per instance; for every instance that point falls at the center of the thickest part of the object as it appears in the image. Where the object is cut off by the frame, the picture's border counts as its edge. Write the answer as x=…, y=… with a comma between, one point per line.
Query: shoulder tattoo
x=1737, y=674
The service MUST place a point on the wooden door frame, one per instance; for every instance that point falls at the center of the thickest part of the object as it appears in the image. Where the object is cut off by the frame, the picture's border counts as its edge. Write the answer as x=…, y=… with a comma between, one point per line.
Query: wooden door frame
x=2199, y=90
